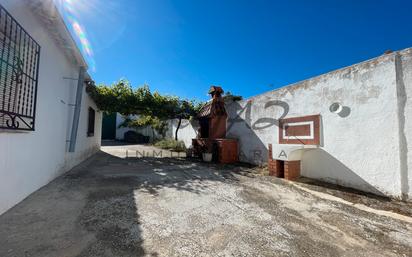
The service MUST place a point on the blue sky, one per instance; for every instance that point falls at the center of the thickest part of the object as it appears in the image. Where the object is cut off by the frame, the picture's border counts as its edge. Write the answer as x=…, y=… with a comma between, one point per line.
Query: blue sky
x=248, y=47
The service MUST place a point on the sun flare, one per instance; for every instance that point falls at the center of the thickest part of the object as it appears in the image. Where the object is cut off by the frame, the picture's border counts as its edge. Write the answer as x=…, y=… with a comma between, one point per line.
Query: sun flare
x=71, y=9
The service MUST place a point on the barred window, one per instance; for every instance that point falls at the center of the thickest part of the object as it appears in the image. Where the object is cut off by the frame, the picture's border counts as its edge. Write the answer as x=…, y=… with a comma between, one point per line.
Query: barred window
x=19, y=68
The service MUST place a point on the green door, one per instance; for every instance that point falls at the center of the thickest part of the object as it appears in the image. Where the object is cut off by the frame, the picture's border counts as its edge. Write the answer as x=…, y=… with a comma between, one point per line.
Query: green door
x=109, y=126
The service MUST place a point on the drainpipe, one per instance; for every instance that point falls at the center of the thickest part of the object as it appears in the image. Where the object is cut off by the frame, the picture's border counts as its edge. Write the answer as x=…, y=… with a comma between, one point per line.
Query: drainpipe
x=77, y=107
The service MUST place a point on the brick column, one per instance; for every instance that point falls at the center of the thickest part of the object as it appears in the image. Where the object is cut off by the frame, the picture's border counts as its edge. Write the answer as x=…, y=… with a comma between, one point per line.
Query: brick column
x=292, y=170
x=271, y=163
x=274, y=166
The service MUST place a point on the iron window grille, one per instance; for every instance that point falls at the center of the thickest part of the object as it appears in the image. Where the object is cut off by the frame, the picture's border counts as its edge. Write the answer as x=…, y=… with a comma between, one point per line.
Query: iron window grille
x=19, y=72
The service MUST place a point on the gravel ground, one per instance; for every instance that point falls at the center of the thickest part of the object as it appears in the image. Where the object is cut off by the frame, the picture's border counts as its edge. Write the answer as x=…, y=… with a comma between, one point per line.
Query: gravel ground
x=116, y=206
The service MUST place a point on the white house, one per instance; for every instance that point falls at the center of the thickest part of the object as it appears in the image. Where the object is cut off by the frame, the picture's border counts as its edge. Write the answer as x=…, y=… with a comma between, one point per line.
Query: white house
x=48, y=123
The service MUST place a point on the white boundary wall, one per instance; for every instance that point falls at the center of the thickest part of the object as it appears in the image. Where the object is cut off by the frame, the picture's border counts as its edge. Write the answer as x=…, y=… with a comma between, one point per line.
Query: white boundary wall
x=120, y=131
x=30, y=160
x=405, y=96
x=367, y=147
x=362, y=148
x=186, y=132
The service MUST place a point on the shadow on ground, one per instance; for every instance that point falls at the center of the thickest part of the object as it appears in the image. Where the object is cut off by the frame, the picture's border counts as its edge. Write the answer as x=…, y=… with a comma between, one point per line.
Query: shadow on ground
x=111, y=211
x=92, y=210
x=359, y=197
x=116, y=206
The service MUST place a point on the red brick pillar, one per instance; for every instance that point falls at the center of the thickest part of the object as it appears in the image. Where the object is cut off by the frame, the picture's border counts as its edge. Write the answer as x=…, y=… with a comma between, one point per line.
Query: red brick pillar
x=275, y=167
x=271, y=163
x=292, y=170
x=270, y=152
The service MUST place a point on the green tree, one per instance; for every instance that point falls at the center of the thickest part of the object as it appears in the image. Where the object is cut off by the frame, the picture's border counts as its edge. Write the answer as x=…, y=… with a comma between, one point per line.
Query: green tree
x=154, y=107
x=121, y=97
x=184, y=110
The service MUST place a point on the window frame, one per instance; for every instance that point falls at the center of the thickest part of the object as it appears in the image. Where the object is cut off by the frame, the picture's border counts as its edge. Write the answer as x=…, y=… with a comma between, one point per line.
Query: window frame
x=91, y=121
x=19, y=73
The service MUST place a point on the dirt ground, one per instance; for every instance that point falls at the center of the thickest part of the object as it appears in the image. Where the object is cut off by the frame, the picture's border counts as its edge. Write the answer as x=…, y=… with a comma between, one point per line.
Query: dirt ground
x=117, y=206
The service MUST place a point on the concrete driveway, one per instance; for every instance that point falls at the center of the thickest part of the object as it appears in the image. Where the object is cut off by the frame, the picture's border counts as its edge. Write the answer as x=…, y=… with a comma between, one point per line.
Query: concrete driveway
x=115, y=206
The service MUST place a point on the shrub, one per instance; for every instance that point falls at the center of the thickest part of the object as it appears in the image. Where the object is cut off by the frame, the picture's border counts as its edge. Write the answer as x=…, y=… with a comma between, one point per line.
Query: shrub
x=134, y=137
x=171, y=144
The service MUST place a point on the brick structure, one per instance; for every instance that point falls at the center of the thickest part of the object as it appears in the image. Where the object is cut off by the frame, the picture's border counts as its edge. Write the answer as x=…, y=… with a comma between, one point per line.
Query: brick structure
x=274, y=166
x=289, y=170
x=292, y=170
x=224, y=150
x=212, y=117
x=212, y=133
x=227, y=150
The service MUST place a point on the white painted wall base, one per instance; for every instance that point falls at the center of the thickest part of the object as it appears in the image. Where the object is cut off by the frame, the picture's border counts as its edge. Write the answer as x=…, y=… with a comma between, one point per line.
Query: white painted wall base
x=30, y=160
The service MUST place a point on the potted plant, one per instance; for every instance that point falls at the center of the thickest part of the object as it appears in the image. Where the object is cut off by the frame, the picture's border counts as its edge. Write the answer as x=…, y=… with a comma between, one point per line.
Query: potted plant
x=207, y=154
x=207, y=157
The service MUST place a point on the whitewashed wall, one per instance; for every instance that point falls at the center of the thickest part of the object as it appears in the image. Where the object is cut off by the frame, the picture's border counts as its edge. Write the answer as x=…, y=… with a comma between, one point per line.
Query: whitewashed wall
x=146, y=131
x=360, y=149
x=29, y=160
x=406, y=114
x=187, y=130
x=367, y=147
x=86, y=145
x=121, y=130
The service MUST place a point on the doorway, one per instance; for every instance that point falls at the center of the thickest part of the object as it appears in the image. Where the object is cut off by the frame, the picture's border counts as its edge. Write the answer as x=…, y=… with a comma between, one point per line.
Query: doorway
x=109, y=126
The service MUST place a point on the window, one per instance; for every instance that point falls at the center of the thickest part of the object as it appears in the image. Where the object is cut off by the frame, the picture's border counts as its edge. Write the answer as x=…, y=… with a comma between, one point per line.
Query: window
x=90, y=127
x=19, y=69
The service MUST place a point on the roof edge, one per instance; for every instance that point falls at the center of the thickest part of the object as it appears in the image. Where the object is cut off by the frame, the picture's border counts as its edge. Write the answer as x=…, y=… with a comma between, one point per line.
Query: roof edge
x=48, y=13
x=403, y=51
